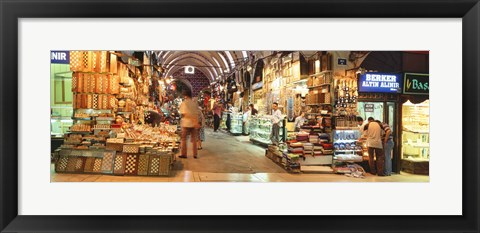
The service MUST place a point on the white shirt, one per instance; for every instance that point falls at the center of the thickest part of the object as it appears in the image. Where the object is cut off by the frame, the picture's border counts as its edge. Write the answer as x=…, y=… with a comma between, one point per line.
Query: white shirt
x=374, y=135
x=277, y=117
x=362, y=127
x=299, y=121
x=246, y=115
x=189, y=110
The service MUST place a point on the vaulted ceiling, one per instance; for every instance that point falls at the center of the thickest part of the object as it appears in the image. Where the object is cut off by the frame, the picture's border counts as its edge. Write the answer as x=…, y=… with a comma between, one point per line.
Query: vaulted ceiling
x=211, y=63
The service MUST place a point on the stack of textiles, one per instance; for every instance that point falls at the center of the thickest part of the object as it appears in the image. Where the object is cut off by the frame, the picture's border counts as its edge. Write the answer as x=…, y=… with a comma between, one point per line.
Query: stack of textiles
x=323, y=137
x=317, y=149
x=327, y=148
x=313, y=138
x=307, y=148
x=295, y=148
x=302, y=137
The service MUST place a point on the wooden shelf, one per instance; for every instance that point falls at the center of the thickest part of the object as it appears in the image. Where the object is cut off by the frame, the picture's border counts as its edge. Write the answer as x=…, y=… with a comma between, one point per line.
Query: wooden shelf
x=318, y=104
x=321, y=85
x=323, y=72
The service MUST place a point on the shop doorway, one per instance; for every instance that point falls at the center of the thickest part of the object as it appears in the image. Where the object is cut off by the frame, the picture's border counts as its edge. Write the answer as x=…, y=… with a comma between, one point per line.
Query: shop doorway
x=382, y=111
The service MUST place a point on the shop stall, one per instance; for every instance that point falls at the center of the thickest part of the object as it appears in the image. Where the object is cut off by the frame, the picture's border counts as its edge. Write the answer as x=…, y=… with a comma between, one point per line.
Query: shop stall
x=415, y=126
x=110, y=109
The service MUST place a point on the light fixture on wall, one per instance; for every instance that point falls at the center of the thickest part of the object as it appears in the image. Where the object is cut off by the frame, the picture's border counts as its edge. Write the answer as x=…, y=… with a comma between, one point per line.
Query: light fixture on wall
x=189, y=70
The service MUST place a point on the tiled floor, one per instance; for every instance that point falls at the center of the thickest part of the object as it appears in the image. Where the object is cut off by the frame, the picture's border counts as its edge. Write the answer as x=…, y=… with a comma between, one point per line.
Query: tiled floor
x=225, y=158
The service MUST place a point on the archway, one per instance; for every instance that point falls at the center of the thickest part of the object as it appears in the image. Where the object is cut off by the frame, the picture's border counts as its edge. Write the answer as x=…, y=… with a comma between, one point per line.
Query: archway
x=196, y=82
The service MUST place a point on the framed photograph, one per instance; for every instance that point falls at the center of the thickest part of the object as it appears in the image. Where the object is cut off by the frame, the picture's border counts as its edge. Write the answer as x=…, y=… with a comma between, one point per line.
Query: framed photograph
x=117, y=106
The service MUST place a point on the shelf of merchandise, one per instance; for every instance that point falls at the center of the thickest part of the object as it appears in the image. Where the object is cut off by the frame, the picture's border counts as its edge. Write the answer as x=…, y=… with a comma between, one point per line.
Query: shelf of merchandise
x=321, y=85
x=79, y=132
x=323, y=72
x=353, y=135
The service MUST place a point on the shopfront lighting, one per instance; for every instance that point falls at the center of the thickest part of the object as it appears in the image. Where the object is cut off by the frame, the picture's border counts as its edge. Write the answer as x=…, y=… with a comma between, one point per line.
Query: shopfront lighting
x=249, y=68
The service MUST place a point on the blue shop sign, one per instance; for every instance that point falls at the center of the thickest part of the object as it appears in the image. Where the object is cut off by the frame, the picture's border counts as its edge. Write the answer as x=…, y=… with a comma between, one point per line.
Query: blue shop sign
x=60, y=57
x=380, y=83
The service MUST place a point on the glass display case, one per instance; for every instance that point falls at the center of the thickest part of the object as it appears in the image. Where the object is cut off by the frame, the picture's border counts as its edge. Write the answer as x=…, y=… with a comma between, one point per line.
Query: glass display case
x=61, y=120
x=223, y=121
x=415, y=131
x=236, y=125
x=346, y=145
x=261, y=128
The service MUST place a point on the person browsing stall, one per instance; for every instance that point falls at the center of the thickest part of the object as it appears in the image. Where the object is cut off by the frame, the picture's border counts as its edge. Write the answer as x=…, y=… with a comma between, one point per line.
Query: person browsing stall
x=276, y=124
x=373, y=132
x=299, y=121
x=387, y=139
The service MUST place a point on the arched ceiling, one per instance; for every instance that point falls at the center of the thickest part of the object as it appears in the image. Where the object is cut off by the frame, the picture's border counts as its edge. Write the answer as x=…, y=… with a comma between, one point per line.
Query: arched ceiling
x=211, y=63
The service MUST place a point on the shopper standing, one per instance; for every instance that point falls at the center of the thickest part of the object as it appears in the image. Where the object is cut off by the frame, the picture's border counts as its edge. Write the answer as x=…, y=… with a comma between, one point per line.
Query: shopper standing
x=229, y=116
x=201, y=130
x=276, y=124
x=361, y=124
x=373, y=131
x=254, y=111
x=299, y=121
x=217, y=113
x=387, y=139
x=245, y=118
x=189, y=123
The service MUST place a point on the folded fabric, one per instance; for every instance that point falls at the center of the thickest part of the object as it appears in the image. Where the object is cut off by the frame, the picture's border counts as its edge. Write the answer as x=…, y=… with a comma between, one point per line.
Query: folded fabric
x=295, y=148
x=327, y=145
x=296, y=144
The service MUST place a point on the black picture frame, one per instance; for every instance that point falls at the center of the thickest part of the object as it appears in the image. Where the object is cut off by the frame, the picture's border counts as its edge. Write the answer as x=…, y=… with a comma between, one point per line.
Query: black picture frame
x=11, y=11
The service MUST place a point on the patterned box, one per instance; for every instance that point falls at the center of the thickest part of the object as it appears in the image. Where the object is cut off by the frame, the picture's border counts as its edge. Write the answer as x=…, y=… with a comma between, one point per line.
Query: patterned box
x=143, y=160
x=100, y=61
x=107, y=162
x=98, y=83
x=115, y=146
x=130, y=148
x=61, y=165
x=165, y=165
x=89, y=100
x=89, y=162
x=119, y=164
x=97, y=165
x=71, y=163
x=105, y=83
x=113, y=63
x=95, y=101
x=131, y=164
x=80, y=164
x=154, y=165
x=114, y=86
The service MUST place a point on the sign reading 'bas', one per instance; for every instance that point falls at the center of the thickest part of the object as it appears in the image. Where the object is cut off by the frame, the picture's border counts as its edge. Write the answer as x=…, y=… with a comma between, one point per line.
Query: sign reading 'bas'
x=416, y=84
